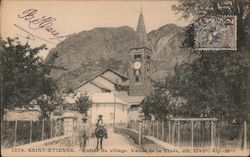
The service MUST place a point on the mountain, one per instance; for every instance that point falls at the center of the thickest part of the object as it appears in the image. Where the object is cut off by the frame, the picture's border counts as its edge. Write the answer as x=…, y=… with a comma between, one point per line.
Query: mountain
x=89, y=52
x=167, y=49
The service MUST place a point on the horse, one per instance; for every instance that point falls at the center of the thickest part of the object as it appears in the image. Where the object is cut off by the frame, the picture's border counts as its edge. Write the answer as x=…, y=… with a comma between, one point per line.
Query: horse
x=99, y=134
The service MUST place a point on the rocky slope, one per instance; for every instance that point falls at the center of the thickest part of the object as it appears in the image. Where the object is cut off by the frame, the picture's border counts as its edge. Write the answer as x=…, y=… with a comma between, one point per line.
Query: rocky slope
x=89, y=52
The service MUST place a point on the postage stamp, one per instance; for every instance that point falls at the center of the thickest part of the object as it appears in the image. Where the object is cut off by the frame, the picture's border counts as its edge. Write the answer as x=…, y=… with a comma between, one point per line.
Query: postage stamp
x=216, y=33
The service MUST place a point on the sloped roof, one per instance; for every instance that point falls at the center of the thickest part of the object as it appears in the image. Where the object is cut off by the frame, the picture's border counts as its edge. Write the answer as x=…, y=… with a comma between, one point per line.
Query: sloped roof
x=125, y=83
x=108, y=79
x=101, y=85
x=131, y=100
x=116, y=72
x=106, y=98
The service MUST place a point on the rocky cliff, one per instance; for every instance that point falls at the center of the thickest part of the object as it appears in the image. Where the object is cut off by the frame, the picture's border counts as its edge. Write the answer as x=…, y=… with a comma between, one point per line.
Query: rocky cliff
x=89, y=52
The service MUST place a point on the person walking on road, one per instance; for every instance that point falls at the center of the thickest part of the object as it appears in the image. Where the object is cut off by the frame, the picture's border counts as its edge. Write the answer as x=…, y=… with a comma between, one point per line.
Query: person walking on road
x=84, y=135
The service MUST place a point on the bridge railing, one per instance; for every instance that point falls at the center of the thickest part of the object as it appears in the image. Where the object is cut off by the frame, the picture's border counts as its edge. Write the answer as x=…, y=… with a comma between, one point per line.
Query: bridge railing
x=194, y=132
x=20, y=132
x=133, y=125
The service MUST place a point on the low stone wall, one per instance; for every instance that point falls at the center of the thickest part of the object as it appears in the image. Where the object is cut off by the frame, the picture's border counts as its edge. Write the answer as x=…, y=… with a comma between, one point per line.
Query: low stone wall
x=131, y=133
x=66, y=139
x=148, y=142
x=12, y=115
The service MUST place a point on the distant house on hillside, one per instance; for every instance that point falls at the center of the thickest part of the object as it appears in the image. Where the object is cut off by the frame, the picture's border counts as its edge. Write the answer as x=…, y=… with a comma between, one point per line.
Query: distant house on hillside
x=107, y=81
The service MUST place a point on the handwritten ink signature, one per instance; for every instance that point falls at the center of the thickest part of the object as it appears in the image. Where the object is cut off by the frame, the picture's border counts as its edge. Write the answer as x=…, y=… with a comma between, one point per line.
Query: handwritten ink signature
x=45, y=23
x=30, y=36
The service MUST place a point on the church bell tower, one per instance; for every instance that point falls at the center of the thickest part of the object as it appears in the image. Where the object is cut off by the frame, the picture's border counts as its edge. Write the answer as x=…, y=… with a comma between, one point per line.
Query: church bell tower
x=140, y=62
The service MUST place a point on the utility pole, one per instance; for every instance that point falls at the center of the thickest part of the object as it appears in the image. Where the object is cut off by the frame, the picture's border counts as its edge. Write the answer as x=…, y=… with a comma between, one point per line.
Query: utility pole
x=1, y=73
x=2, y=108
x=114, y=109
x=91, y=111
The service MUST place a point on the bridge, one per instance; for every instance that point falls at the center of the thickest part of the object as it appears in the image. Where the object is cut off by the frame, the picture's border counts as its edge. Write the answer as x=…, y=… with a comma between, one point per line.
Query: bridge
x=162, y=138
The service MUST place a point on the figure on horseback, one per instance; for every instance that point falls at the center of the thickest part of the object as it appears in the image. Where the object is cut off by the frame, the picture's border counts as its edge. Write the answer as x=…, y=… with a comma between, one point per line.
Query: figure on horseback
x=100, y=132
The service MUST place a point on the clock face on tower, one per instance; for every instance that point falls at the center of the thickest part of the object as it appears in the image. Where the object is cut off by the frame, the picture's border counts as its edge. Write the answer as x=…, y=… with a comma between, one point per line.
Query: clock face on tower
x=137, y=65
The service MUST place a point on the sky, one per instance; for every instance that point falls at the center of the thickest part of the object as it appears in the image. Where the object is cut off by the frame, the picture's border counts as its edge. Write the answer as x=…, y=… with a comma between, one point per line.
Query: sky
x=75, y=16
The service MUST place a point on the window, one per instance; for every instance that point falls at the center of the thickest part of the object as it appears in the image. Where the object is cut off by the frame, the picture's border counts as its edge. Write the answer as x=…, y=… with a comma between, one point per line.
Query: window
x=137, y=79
x=137, y=57
x=137, y=72
x=148, y=64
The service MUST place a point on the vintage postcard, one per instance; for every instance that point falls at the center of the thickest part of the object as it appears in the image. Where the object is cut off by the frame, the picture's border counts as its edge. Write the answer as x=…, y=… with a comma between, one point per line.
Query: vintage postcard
x=124, y=77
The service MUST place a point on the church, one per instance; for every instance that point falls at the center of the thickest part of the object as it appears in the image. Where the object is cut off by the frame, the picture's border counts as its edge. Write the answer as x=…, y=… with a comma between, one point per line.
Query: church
x=115, y=96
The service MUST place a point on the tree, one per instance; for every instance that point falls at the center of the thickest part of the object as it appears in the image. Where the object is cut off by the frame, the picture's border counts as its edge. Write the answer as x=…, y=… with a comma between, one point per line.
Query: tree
x=227, y=94
x=214, y=84
x=239, y=8
x=161, y=103
x=216, y=80
x=48, y=104
x=25, y=76
x=83, y=104
x=211, y=88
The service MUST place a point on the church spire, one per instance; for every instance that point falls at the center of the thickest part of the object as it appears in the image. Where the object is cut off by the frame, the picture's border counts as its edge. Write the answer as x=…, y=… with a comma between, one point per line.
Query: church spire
x=141, y=35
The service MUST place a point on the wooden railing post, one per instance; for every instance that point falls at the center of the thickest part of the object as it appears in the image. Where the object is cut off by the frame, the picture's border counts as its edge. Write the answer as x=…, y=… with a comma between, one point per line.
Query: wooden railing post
x=212, y=134
x=245, y=136
x=150, y=129
x=157, y=129
x=169, y=131
x=140, y=134
x=153, y=129
x=192, y=133
x=173, y=131
x=15, y=132
x=162, y=131
x=30, y=131
x=51, y=128
x=77, y=132
x=215, y=135
x=43, y=129
x=178, y=134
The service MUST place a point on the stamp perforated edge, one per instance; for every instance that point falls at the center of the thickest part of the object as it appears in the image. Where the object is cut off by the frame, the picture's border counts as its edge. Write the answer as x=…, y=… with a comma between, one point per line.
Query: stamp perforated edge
x=218, y=49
